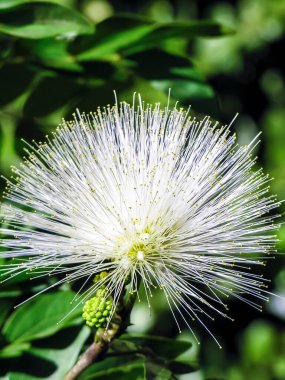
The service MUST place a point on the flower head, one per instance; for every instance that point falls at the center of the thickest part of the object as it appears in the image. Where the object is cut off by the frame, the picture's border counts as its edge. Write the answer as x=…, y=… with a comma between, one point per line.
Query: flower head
x=144, y=194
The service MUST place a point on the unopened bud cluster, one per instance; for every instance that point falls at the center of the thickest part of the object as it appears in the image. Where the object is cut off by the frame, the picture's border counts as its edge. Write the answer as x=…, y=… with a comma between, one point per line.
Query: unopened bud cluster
x=96, y=310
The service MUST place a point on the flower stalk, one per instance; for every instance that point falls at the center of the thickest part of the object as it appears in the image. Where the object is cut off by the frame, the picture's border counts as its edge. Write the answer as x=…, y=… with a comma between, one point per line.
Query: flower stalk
x=90, y=356
x=96, y=350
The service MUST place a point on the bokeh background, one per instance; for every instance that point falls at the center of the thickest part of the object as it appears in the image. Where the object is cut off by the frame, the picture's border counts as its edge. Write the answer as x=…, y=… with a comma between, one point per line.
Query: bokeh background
x=233, y=63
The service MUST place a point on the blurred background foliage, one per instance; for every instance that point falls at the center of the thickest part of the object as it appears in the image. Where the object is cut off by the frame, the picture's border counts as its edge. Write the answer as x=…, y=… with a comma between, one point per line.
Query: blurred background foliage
x=222, y=57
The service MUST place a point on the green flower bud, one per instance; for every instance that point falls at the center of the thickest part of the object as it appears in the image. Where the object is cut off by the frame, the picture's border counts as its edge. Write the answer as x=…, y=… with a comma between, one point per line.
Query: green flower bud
x=96, y=310
x=101, y=292
x=100, y=276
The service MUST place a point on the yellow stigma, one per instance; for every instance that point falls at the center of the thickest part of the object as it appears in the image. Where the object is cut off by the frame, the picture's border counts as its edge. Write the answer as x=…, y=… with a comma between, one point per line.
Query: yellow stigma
x=140, y=243
x=136, y=247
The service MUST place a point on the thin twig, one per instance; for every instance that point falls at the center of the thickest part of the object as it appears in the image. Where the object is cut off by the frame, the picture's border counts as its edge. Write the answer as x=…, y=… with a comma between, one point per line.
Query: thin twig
x=89, y=357
x=95, y=352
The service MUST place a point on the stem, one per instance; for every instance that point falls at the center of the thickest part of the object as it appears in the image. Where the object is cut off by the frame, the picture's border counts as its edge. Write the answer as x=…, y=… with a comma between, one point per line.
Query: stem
x=89, y=357
x=95, y=351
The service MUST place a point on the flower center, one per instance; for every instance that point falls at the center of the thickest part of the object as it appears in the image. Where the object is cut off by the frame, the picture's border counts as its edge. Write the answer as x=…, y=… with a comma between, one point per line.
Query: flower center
x=136, y=248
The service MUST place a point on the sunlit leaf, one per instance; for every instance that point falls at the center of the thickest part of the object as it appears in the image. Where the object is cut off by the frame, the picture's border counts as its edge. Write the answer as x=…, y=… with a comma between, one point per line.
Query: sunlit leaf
x=184, y=90
x=111, y=35
x=187, y=29
x=40, y=317
x=19, y=376
x=127, y=34
x=35, y=19
x=13, y=350
x=7, y=4
x=140, y=86
x=52, y=52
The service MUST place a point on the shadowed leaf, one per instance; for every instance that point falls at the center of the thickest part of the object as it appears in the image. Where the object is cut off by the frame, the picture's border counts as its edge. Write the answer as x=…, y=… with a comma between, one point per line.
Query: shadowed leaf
x=165, y=347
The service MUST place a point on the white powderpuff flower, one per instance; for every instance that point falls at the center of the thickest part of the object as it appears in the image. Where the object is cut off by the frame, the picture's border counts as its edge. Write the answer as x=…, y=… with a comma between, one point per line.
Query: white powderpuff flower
x=146, y=194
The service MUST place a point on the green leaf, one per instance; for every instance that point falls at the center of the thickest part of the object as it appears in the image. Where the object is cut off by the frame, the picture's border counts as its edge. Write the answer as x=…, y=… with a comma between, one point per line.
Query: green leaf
x=40, y=317
x=126, y=34
x=172, y=72
x=167, y=66
x=186, y=29
x=188, y=72
x=6, y=4
x=111, y=36
x=52, y=363
x=164, y=347
x=13, y=287
x=156, y=367
x=164, y=67
x=184, y=90
x=10, y=294
x=181, y=367
x=64, y=358
x=121, y=345
x=156, y=371
x=13, y=350
x=134, y=371
x=112, y=362
x=141, y=86
x=35, y=19
x=52, y=53
x=19, y=376
x=15, y=80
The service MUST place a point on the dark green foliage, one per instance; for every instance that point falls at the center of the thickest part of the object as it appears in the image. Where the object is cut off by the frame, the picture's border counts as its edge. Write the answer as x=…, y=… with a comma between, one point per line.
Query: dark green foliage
x=163, y=347
x=148, y=357
x=59, y=62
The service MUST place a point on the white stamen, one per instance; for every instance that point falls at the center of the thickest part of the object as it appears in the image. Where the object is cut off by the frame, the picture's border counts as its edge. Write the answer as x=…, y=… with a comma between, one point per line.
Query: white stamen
x=144, y=237
x=126, y=263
